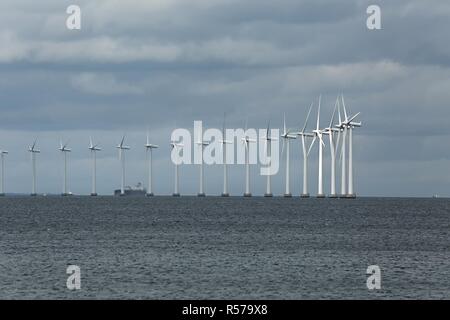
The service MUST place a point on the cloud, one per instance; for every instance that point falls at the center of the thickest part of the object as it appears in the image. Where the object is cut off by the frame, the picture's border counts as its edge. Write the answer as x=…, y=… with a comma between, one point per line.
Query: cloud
x=103, y=84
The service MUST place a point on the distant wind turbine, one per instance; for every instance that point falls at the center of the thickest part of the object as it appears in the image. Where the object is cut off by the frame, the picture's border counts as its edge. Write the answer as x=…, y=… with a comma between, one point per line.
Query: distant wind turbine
x=149, y=149
x=64, y=150
x=319, y=135
x=94, y=149
x=122, y=149
x=201, y=144
x=334, y=145
x=268, y=152
x=306, y=150
x=287, y=136
x=349, y=125
x=224, y=143
x=246, y=142
x=177, y=147
x=33, y=151
x=3, y=153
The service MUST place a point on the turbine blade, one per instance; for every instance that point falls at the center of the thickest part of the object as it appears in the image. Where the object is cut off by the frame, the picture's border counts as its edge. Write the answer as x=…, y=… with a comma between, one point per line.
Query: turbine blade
x=338, y=141
x=223, y=127
x=334, y=112
x=307, y=117
x=123, y=139
x=318, y=114
x=311, y=145
x=339, y=112
x=345, y=110
x=284, y=123
x=353, y=118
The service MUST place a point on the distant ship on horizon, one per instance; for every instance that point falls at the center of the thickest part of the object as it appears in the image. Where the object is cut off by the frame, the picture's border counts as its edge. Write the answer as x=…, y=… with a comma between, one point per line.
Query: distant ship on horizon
x=138, y=190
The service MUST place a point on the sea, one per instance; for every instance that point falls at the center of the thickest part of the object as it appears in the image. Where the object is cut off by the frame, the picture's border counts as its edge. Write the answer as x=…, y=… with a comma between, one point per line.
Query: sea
x=224, y=248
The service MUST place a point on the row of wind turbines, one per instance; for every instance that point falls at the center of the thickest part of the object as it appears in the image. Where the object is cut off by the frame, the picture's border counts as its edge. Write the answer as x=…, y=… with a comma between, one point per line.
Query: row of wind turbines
x=339, y=135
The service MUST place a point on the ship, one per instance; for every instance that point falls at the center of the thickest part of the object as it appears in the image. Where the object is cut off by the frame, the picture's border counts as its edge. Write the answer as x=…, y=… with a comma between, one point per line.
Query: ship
x=138, y=190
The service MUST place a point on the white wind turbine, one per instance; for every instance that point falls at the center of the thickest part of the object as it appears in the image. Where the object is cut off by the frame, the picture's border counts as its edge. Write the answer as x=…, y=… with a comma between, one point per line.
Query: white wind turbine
x=318, y=134
x=94, y=148
x=122, y=149
x=287, y=136
x=3, y=153
x=64, y=150
x=201, y=144
x=149, y=149
x=306, y=150
x=268, y=152
x=349, y=125
x=334, y=145
x=33, y=151
x=177, y=147
x=224, y=143
x=246, y=141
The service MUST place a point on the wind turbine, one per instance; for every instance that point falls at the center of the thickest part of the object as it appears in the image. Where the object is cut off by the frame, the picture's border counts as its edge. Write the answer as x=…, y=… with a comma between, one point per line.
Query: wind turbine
x=306, y=150
x=318, y=134
x=286, y=137
x=246, y=141
x=33, y=151
x=3, y=153
x=149, y=149
x=64, y=150
x=201, y=144
x=94, y=148
x=268, y=151
x=330, y=131
x=122, y=149
x=224, y=143
x=349, y=125
x=177, y=147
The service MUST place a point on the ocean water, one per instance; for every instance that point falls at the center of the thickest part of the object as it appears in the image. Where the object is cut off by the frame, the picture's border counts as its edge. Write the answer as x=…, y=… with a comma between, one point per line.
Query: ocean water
x=224, y=248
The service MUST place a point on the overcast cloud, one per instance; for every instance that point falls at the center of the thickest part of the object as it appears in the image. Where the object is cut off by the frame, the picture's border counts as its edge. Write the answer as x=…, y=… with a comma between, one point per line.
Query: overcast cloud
x=165, y=63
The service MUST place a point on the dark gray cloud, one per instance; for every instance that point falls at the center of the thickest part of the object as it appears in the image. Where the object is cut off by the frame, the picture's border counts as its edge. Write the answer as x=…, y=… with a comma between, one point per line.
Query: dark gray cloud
x=166, y=63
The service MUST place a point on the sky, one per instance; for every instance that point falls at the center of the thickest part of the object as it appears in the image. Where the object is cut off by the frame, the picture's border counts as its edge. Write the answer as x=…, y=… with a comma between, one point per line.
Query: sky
x=162, y=64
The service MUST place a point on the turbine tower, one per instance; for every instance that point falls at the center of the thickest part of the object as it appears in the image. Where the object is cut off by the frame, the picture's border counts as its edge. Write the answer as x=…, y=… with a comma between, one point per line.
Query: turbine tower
x=149, y=149
x=64, y=150
x=122, y=149
x=224, y=143
x=201, y=144
x=268, y=151
x=334, y=144
x=94, y=148
x=286, y=137
x=177, y=147
x=246, y=141
x=306, y=150
x=350, y=125
x=3, y=153
x=318, y=134
x=33, y=151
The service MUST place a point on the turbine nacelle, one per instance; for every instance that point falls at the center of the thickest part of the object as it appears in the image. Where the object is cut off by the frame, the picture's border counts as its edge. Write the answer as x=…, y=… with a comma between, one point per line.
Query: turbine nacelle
x=33, y=149
x=63, y=148
x=121, y=146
